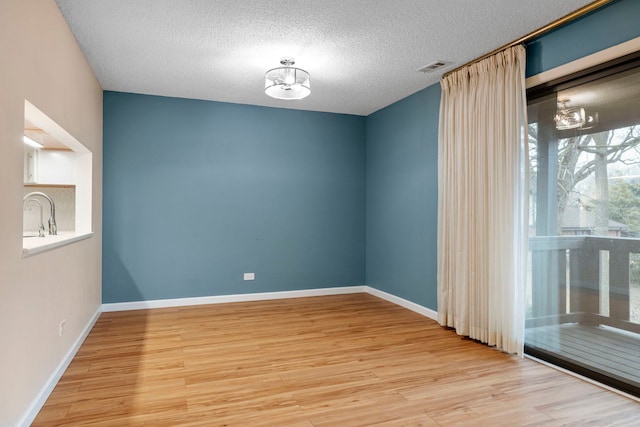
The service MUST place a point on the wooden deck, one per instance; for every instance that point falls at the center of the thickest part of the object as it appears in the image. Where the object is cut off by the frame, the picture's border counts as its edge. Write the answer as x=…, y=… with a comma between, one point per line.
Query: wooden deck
x=345, y=360
x=602, y=349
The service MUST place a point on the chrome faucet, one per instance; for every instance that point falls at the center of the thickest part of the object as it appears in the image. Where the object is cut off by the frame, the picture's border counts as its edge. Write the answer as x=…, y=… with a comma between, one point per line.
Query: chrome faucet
x=26, y=205
x=53, y=228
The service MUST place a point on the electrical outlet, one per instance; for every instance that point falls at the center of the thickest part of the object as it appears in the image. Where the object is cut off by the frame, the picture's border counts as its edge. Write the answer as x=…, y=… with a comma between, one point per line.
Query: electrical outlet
x=63, y=326
x=249, y=276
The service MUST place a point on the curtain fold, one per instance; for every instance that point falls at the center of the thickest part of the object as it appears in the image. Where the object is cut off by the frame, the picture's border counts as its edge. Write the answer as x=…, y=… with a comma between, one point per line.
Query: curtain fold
x=483, y=200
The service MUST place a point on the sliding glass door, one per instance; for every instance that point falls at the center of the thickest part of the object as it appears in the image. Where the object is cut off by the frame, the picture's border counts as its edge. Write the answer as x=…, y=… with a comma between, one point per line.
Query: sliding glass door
x=584, y=284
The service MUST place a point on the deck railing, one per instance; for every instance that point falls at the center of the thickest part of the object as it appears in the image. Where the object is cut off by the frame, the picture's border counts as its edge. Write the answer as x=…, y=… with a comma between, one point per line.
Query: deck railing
x=566, y=276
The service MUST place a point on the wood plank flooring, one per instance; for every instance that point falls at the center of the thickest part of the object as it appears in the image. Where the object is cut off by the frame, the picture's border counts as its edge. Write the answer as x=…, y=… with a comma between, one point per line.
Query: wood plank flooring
x=347, y=360
x=600, y=348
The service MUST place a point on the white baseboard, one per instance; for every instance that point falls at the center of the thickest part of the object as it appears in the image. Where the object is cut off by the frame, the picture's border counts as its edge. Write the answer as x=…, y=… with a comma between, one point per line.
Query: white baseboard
x=50, y=384
x=221, y=299
x=427, y=312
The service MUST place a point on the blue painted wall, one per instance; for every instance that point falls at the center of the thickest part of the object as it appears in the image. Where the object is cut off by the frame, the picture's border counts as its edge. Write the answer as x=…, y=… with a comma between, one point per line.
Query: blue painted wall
x=402, y=197
x=608, y=26
x=196, y=193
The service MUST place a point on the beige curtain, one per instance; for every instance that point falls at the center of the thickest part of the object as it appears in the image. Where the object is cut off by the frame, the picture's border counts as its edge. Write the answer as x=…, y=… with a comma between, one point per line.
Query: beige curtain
x=483, y=201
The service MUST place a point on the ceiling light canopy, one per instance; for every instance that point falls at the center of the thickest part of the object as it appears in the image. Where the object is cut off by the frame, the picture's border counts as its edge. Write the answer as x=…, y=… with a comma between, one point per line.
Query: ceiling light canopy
x=287, y=82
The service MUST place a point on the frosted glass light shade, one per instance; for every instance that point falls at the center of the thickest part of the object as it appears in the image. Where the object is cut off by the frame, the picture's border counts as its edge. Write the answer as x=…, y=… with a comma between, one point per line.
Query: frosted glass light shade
x=287, y=83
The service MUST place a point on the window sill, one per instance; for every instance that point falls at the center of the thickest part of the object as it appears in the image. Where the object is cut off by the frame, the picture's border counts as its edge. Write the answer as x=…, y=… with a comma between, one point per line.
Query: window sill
x=35, y=245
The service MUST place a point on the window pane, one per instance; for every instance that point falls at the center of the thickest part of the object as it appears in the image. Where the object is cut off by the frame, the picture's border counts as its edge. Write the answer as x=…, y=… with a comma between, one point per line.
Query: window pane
x=585, y=227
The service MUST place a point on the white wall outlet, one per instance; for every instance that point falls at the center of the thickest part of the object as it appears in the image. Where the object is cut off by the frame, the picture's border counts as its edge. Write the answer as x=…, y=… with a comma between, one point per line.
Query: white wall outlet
x=249, y=276
x=63, y=326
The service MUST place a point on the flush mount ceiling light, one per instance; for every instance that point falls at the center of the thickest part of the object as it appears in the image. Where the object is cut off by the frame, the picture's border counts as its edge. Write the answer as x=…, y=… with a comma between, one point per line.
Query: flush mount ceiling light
x=287, y=82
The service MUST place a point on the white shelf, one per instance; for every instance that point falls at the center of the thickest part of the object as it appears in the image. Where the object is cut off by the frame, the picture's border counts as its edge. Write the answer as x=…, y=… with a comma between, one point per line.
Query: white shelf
x=35, y=245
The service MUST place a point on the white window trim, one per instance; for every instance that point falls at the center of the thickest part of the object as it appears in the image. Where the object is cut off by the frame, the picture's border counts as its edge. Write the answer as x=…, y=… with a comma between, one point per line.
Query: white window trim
x=583, y=63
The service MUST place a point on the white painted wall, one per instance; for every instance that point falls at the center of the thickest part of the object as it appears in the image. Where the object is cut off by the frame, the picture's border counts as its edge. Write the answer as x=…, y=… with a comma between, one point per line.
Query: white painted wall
x=41, y=62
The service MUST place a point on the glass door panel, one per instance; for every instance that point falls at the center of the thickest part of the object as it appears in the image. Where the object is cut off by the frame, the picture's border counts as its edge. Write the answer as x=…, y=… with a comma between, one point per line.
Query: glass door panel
x=584, y=282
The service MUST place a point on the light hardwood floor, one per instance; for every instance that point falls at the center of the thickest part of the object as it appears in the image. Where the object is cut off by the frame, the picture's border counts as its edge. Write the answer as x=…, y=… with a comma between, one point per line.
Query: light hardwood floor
x=348, y=360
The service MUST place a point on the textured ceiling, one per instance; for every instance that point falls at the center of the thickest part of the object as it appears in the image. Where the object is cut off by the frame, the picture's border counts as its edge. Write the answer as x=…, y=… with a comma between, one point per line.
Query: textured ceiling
x=362, y=55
